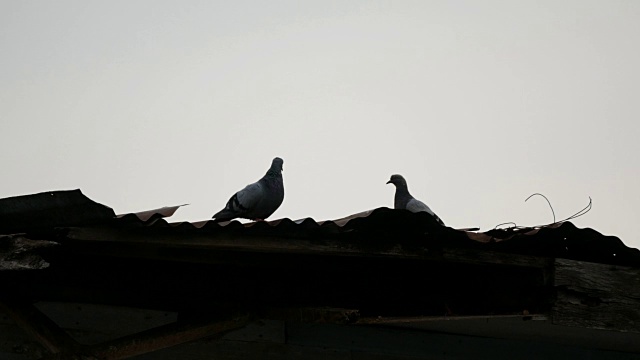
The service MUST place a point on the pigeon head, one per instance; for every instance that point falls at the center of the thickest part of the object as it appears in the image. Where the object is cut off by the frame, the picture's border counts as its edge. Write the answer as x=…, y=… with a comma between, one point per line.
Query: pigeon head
x=397, y=180
x=276, y=167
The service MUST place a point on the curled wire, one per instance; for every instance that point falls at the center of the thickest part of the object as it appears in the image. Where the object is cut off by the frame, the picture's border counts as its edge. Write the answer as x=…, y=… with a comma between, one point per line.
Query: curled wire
x=583, y=211
x=548, y=202
x=506, y=223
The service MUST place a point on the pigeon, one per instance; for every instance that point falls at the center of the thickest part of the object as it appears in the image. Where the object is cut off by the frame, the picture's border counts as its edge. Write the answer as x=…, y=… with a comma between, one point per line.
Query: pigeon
x=404, y=200
x=256, y=201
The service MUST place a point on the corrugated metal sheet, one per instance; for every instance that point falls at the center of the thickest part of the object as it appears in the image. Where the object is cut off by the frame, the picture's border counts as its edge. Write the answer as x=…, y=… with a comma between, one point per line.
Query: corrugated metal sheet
x=149, y=216
x=61, y=209
x=561, y=240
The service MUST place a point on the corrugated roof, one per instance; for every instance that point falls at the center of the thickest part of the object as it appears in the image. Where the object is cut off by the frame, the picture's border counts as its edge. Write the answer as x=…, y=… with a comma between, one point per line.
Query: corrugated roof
x=562, y=240
x=380, y=227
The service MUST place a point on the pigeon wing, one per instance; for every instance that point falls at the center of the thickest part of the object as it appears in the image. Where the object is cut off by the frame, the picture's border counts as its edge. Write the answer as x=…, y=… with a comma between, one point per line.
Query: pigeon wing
x=241, y=202
x=248, y=198
x=415, y=205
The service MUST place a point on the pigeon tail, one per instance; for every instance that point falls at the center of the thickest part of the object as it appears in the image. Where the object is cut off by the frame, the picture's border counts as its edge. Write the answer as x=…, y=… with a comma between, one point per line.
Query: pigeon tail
x=223, y=215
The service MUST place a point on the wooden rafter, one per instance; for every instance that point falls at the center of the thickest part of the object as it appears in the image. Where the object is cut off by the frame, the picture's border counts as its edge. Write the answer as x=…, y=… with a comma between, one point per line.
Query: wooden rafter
x=163, y=337
x=61, y=346
x=39, y=327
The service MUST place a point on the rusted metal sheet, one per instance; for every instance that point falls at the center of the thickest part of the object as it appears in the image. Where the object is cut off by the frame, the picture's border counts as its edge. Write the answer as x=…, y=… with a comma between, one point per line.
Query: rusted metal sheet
x=149, y=216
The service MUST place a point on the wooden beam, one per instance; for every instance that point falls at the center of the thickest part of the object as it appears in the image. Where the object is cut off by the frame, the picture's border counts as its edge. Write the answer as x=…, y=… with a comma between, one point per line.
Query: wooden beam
x=482, y=257
x=318, y=315
x=163, y=337
x=110, y=240
x=427, y=319
x=40, y=327
x=596, y=296
x=200, y=248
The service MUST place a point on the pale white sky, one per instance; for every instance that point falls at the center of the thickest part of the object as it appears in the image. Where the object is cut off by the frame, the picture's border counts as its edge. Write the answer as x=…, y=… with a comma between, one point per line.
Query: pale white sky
x=479, y=104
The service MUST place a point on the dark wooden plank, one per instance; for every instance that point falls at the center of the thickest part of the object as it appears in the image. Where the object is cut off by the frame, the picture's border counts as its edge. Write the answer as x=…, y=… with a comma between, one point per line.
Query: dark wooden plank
x=377, y=342
x=142, y=240
x=481, y=257
x=596, y=296
x=313, y=315
x=39, y=327
x=163, y=337
x=110, y=241
x=96, y=323
x=426, y=319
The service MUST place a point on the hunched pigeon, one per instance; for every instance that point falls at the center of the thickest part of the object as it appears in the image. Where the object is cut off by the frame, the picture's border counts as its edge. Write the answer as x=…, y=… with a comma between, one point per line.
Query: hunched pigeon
x=256, y=201
x=404, y=200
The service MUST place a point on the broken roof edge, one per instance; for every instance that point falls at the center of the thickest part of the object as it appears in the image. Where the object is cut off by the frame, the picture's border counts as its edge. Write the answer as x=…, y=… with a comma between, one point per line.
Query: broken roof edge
x=50, y=209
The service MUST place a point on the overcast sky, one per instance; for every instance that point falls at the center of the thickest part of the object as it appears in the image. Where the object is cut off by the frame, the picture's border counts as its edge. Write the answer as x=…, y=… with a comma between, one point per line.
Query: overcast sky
x=479, y=104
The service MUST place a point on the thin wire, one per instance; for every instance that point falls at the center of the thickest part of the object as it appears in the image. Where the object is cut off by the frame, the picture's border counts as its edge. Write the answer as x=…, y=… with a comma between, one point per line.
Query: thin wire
x=584, y=210
x=580, y=213
x=505, y=223
x=548, y=202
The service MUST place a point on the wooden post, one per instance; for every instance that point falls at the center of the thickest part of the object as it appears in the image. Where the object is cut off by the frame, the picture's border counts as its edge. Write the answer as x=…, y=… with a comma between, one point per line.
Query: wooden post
x=596, y=296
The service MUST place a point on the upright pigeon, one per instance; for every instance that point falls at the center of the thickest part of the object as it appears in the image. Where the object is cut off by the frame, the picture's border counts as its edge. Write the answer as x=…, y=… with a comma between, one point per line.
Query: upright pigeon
x=256, y=201
x=404, y=200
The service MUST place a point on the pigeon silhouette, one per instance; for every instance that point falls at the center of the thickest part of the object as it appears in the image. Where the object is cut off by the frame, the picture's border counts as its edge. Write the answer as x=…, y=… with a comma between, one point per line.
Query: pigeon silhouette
x=404, y=200
x=256, y=201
